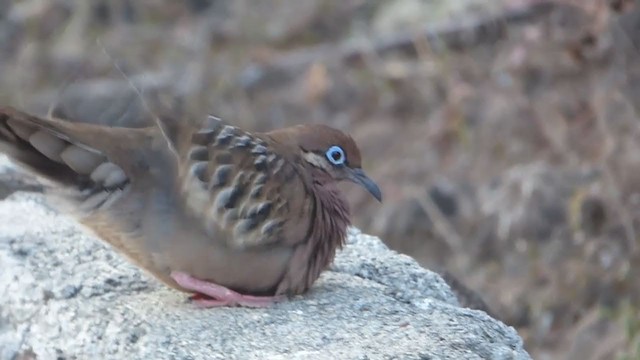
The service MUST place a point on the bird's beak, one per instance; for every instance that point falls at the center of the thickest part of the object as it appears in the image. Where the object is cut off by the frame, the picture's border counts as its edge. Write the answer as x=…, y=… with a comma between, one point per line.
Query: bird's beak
x=359, y=177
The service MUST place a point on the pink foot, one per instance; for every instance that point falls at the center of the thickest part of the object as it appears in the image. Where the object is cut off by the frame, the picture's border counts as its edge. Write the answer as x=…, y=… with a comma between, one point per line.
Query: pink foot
x=213, y=295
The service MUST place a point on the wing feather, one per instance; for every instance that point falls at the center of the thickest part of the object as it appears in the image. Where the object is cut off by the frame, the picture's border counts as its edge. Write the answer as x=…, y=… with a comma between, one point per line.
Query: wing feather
x=243, y=190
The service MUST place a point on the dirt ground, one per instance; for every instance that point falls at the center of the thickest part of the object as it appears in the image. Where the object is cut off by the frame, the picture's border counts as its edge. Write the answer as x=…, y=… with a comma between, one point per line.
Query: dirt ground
x=504, y=134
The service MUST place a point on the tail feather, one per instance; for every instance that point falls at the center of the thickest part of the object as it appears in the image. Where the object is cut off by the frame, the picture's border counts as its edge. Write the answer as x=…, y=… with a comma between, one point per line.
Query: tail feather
x=38, y=155
x=59, y=151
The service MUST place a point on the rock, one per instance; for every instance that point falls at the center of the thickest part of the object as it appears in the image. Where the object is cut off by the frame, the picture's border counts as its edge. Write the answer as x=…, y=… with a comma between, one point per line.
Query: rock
x=402, y=15
x=13, y=179
x=66, y=295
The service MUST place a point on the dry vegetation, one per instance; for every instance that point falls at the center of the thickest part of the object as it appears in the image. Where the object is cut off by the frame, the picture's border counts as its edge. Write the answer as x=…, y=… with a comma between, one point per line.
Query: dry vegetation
x=506, y=137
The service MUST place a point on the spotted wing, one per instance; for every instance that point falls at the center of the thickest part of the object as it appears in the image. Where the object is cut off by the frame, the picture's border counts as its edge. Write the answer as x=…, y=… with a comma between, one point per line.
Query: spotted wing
x=241, y=188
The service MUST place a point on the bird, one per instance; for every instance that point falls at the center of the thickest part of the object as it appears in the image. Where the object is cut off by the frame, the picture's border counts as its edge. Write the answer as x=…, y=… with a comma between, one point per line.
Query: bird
x=231, y=217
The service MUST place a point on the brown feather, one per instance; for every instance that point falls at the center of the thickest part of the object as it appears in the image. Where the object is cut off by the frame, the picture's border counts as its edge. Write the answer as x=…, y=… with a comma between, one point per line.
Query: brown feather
x=244, y=210
x=318, y=138
x=327, y=234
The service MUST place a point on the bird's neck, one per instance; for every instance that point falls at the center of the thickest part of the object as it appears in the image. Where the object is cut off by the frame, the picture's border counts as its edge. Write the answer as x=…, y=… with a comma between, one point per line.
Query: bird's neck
x=330, y=222
x=330, y=200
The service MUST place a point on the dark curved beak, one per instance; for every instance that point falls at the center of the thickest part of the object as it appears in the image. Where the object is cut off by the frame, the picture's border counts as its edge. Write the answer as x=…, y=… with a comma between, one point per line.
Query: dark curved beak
x=359, y=177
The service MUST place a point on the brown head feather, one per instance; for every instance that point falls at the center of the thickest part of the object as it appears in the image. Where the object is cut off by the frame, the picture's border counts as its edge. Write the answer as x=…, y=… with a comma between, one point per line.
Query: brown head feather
x=332, y=152
x=318, y=138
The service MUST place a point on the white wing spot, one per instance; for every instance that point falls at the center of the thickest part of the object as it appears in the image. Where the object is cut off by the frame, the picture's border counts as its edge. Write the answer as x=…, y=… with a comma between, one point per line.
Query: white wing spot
x=221, y=176
x=223, y=197
x=260, y=180
x=269, y=227
x=114, y=178
x=259, y=149
x=199, y=169
x=225, y=132
x=243, y=141
x=103, y=170
x=260, y=162
x=278, y=166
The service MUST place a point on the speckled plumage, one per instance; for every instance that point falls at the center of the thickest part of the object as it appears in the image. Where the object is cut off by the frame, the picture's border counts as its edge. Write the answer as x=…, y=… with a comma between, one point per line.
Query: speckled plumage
x=256, y=213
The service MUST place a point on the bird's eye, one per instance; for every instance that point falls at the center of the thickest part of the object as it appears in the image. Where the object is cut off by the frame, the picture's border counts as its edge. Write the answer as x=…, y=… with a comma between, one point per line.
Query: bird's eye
x=335, y=154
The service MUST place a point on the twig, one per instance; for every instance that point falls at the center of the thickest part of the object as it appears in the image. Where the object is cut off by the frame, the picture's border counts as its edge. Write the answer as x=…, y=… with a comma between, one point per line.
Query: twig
x=282, y=69
x=442, y=226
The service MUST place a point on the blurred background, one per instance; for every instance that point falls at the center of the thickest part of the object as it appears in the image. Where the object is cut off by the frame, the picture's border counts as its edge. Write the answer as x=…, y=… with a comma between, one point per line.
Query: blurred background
x=504, y=133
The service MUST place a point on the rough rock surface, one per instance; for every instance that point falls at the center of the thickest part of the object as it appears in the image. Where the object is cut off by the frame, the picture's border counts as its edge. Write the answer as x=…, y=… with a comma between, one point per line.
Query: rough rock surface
x=65, y=295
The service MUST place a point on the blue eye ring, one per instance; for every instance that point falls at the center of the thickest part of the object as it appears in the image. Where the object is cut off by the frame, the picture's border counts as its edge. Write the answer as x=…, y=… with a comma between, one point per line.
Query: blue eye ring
x=335, y=155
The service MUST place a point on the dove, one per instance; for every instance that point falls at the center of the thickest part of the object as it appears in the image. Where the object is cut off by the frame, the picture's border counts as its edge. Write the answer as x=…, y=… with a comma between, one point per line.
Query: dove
x=232, y=217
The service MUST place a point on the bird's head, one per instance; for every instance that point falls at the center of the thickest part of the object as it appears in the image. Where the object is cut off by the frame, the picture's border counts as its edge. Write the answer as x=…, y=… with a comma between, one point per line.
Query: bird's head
x=333, y=152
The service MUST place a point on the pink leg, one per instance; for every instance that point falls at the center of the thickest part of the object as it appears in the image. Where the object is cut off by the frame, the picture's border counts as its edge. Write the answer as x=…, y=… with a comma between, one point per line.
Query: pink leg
x=213, y=295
